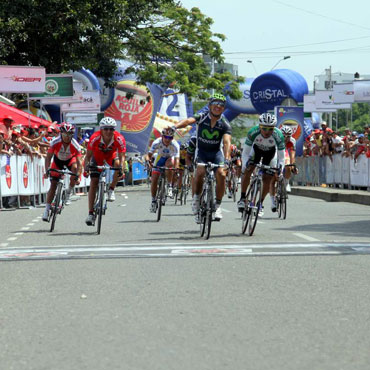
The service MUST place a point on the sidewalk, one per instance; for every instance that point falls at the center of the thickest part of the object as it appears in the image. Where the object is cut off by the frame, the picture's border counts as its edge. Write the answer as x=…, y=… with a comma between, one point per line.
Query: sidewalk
x=333, y=194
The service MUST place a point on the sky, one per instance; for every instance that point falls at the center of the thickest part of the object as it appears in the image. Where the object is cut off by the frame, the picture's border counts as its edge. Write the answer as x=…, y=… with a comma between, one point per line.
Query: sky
x=315, y=34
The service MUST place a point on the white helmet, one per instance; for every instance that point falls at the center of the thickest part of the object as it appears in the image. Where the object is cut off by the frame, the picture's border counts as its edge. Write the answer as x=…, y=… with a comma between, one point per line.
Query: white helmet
x=286, y=130
x=267, y=119
x=107, y=122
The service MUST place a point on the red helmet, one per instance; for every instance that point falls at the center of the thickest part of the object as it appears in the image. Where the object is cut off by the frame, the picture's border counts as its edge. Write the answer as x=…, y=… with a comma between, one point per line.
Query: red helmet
x=233, y=149
x=67, y=128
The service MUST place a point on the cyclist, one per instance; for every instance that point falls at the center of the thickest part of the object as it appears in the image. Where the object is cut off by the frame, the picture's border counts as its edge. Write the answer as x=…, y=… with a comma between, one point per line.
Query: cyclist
x=182, y=164
x=290, y=149
x=167, y=153
x=213, y=131
x=261, y=143
x=105, y=145
x=64, y=151
x=236, y=162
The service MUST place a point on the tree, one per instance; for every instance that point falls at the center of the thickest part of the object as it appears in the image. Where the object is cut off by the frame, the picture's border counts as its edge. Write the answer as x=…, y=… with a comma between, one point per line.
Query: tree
x=165, y=41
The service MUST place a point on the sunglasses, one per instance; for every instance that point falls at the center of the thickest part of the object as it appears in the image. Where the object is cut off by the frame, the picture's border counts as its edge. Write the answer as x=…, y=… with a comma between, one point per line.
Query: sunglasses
x=67, y=133
x=219, y=103
x=168, y=137
x=266, y=128
x=108, y=129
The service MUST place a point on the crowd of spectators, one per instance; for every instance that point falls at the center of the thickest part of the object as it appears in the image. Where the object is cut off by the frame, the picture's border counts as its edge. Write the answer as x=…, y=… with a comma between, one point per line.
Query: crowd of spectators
x=326, y=142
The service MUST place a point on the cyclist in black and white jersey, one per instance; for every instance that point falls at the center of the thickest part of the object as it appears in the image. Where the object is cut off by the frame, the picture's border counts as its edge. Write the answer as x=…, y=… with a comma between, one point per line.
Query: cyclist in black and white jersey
x=213, y=145
x=262, y=142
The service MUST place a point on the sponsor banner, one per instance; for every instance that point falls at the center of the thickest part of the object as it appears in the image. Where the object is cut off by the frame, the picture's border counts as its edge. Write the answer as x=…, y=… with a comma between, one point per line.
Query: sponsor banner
x=310, y=105
x=76, y=98
x=362, y=90
x=19, y=79
x=343, y=93
x=81, y=119
x=359, y=171
x=26, y=175
x=9, y=176
x=135, y=108
x=175, y=105
x=294, y=118
x=56, y=86
x=138, y=171
x=90, y=103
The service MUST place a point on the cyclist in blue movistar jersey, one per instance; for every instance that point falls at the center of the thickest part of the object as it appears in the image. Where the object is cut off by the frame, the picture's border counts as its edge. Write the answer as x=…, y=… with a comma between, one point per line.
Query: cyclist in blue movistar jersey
x=213, y=131
x=262, y=142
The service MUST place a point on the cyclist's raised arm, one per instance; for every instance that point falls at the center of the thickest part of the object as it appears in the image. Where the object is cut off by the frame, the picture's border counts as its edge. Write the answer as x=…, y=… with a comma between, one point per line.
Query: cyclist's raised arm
x=184, y=123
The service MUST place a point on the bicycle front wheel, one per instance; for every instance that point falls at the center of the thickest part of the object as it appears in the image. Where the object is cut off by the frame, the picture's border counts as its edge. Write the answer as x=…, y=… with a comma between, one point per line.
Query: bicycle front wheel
x=282, y=201
x=202, y=214
x=160, y=196
x=209, y=212
x=100, y=209
x=55, y=208
x=255, y=206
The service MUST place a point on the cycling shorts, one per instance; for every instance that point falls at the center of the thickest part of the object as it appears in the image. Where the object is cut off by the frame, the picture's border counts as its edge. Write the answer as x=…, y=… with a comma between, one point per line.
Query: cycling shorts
x=57, y=164
x=213, y=157
x=96, y=173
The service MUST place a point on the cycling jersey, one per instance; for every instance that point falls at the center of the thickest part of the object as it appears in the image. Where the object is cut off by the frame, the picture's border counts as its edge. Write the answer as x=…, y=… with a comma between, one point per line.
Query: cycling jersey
x=192, y=145
x=165, y=152
x=291, y=144
x=260, y=144
x=103, y=152
x=210, y=139
x=63, y=153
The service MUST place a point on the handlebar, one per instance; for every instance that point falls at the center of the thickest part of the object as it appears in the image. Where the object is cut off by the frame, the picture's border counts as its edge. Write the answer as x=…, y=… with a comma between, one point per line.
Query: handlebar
x=63, y=172
x=211, y=165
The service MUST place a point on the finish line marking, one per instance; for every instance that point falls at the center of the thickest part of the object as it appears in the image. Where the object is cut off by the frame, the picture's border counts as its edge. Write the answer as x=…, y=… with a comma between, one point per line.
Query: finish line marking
x=184, y=250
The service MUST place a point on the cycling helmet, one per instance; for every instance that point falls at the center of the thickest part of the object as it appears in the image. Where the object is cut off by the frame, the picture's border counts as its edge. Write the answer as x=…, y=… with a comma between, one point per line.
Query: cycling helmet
x=217, y=97
x=184, y=146
x=267, y=119
x=168, y=131
x=67, y=128
x=107, y=122
x=286, y=130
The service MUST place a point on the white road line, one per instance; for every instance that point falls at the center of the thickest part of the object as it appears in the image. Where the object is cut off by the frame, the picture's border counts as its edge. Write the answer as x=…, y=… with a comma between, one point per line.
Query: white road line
x=30, y=224
x=126, y=197
x=39, y=217
x=35, y=220
x=25, y=228
x=226, y=210
x=4, y=244
x=123, y=205
x=19, y=233
x=12, y=238
x=306, y=237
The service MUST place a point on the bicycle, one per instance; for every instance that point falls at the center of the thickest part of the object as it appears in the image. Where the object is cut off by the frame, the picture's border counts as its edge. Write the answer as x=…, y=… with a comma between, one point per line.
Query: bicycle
x=161, y=196
x=253, y=200
x=281, y=196
x=59, y=199
x=232, y=181
x=186, y=184
x=207, y=202
x=100, y=204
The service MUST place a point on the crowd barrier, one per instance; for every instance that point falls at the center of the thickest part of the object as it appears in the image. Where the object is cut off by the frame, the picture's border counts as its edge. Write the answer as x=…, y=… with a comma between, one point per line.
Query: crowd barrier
x=342, y=171
x=24, y=176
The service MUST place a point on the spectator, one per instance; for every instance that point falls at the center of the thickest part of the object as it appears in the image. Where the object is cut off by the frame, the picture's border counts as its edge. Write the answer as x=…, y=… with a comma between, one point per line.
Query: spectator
x=7, y=126
x=360, y=146
x=327, y=143
x=324, y=126
x=338, y=143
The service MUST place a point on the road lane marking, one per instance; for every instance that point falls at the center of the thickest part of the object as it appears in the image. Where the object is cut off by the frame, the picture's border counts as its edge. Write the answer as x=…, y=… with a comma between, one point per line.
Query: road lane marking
x=226, y=210
x=12, y=238
x=18, y=233
x=25, y=228
x=30, y=224
x=306, y=237
x=35, y=220
x=4, y=244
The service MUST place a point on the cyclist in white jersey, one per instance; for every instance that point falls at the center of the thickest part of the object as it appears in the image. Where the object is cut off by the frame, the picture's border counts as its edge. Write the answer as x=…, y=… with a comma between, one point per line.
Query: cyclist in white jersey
x=168, y=155
x=262, y=142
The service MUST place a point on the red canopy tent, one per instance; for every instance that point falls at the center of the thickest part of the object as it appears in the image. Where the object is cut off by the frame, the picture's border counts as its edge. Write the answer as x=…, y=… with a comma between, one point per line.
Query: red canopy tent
x=20, y=117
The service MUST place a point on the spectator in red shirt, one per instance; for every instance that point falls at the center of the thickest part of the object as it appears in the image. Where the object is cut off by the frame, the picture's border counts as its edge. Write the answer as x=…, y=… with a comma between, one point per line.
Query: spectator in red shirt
x=106, y=145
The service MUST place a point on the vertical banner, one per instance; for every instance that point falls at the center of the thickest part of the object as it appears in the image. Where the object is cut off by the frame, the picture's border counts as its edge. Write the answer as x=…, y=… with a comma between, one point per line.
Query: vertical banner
x=138, y=171
x=135, y=107
x=294, y=118
x=26, y=176
x=9, y=176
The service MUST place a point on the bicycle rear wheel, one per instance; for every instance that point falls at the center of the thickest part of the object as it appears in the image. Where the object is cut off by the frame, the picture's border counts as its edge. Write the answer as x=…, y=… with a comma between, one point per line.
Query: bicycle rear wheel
x=185, y=187
x=255, y=199
x=160, y=196
x=234, y=187
x=282, y=201
x=55, y=208
x=100, y=209
x=202, y=214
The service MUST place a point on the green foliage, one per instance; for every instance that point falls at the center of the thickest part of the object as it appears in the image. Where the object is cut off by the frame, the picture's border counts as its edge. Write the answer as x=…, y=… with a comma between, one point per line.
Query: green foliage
x=360, y=117
x=165, y=41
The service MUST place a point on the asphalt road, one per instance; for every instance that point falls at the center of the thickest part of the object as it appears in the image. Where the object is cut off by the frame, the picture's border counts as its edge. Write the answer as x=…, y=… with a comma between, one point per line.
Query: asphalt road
x=148, y=295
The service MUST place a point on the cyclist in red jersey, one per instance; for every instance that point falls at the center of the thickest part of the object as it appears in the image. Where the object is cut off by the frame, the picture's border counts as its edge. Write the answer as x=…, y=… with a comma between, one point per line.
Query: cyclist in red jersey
x=105, y=145
x=65, y=151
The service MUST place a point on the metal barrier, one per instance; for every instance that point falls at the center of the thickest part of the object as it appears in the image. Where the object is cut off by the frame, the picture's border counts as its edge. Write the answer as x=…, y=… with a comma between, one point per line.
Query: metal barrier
x=342, y=171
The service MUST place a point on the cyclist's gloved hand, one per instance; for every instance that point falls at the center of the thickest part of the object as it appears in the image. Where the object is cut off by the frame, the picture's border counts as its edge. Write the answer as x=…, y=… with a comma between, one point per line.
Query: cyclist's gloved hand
x=46, y=174
x=86, y=174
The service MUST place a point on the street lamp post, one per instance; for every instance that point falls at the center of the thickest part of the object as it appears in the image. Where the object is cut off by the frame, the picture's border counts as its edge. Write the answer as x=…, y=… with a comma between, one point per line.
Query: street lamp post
x=285, y=58
x=251, y=62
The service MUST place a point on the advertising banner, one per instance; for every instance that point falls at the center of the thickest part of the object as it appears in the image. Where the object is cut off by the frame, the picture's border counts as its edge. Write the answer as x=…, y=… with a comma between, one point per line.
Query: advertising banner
x=56, y=86
x=325, y=100
x=135, y=108
x=362, y=90
x=294, y=118
x=90, y=103
x=138, y=171
x=309, y=103
x=175, y=105
x=343, y=93
x=19, y=79
x=359, y=171
x=76, y=98
x=9, y=176
x=26, y=175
